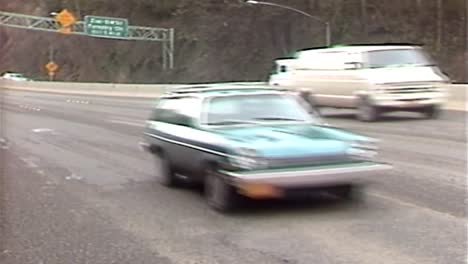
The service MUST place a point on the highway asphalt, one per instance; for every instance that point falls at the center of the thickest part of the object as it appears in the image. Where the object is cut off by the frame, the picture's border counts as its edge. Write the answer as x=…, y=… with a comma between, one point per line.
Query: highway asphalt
x=75, y=188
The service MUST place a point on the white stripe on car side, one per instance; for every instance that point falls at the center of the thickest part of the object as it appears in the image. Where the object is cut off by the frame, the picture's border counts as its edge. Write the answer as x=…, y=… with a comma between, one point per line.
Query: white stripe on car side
x=188, y=133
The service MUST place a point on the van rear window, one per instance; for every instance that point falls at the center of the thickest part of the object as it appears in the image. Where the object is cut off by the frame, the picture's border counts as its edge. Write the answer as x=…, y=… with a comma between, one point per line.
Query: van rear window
x=397, y=57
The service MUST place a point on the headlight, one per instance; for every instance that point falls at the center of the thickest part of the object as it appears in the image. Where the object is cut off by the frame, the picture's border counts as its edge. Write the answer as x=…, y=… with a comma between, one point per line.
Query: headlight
x=249, y=159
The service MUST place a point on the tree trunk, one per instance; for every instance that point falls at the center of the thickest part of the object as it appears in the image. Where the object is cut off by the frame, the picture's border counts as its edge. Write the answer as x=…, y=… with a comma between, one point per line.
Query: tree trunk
x=364, y=19
x=440, y=13
x=466, y=42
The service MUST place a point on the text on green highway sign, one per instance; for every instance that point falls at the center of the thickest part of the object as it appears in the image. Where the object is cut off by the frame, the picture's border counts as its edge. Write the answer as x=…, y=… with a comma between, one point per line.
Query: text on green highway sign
x=106, y=27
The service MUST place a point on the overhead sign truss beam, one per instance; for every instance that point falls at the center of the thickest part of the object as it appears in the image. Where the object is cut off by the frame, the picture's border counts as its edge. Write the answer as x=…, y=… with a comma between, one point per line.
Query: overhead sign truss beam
x=28, y=22
x=137, y=33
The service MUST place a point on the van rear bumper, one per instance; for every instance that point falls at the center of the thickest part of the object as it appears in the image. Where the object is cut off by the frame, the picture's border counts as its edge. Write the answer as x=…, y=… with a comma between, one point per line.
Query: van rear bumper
x=403, y=104
x=409, y=100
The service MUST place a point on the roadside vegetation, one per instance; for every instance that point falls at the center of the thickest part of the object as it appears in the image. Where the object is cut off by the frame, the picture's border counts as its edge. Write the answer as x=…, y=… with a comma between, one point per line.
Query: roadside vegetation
x=220, y=40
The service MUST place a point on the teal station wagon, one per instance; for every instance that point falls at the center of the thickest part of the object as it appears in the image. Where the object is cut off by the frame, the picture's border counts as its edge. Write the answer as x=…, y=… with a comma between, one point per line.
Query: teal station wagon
x=253, y=140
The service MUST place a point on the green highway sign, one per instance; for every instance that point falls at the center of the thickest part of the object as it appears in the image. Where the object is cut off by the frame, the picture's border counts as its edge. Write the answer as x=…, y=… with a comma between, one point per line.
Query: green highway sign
x=106, y=27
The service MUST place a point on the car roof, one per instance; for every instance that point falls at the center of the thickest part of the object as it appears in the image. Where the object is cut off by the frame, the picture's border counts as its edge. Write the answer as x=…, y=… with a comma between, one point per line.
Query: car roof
x=359, y=48
x=217, y=89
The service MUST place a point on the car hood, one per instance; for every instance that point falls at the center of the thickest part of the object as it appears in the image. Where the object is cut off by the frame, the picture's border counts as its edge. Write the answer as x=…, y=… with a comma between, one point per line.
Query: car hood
x=403, y=74
x=273, y=141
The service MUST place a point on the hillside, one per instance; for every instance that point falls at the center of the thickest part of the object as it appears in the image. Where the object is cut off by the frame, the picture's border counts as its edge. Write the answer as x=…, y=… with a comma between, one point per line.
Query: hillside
x=219, y=40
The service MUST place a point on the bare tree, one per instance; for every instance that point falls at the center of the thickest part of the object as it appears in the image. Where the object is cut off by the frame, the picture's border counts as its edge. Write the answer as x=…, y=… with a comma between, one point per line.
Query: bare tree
x=440, y=13
x=364, y=19
x=466, y=41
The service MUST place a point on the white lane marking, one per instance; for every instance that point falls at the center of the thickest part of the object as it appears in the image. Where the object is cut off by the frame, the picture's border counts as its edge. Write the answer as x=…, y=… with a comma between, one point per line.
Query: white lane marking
x=143, y=146
x=405, y=203
x=74, y=101
x=42, y=130
x=29, y=162
x=73, y=177
x=4, y=143
x=129, y=123
x=32, y=108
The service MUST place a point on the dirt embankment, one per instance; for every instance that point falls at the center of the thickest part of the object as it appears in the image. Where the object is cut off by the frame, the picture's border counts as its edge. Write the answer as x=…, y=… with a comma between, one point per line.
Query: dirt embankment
x=220, y=40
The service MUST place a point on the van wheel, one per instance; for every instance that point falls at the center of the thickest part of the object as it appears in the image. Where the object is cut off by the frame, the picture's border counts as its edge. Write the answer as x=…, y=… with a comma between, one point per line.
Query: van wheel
x=431, y=112
x=218, y=193
x=164, y=174
x=367, y=112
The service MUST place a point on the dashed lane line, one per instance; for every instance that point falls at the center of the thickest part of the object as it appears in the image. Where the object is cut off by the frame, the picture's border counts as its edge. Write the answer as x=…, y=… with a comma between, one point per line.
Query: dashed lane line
x=129, y=123
x=30, y=108
x=74, y=101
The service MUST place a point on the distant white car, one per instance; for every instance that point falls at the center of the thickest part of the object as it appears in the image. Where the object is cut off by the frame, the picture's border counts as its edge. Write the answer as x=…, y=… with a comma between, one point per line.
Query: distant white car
x=15, y=77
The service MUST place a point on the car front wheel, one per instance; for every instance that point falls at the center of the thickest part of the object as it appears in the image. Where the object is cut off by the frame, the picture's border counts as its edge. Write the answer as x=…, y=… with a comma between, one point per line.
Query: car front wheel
x=164, y=174
x=218, y=193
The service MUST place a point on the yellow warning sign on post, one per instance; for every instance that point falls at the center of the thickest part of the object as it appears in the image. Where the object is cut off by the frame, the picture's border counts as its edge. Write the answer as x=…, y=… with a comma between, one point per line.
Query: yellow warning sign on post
x=65, y=30
x=66, y=19
x=51, y=67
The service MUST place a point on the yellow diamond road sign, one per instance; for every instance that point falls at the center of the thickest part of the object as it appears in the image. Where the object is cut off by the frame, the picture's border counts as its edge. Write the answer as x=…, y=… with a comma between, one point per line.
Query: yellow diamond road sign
x=65, y=18
x=51, y=67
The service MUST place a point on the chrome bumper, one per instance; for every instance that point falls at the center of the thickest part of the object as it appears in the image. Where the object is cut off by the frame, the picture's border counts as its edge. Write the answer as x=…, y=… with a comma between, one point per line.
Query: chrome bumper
x=409, y=104
x=409, y=100
x=308, y=176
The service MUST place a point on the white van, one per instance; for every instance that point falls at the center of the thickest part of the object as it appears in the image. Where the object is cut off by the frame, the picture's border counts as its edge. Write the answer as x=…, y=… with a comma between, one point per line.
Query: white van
x=371, y=78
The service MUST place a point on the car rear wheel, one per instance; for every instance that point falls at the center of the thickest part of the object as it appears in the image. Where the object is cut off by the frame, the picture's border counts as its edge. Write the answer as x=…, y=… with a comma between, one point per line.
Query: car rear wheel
x=164, y=174
x=367, y=112
x=218, y=193
x=348, y=192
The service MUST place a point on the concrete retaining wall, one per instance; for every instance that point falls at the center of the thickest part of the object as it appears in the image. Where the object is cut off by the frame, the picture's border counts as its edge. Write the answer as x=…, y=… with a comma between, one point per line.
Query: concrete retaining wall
x=130, y=90
x=457, y=92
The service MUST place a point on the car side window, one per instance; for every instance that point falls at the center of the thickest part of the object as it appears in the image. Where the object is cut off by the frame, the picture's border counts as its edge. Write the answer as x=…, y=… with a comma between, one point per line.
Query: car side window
x=176, y=110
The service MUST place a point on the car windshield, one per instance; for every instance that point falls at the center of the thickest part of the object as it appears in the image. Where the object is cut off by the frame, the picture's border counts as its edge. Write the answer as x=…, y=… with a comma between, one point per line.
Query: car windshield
x=397, y=57
x=257, y=109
